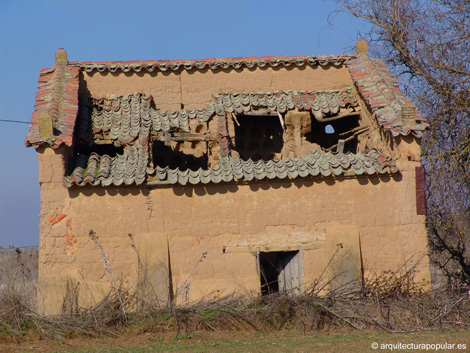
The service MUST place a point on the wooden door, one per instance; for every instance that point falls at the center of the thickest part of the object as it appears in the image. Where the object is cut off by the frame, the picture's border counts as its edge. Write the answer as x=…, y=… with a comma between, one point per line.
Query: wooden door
x=290, y=269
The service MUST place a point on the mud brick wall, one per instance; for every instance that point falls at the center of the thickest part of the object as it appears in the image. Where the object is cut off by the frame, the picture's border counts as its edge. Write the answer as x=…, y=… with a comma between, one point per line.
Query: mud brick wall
x=207, y=236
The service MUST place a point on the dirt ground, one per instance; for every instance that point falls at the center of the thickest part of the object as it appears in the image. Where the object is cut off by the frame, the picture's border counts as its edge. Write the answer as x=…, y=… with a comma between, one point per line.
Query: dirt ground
x=285, y=341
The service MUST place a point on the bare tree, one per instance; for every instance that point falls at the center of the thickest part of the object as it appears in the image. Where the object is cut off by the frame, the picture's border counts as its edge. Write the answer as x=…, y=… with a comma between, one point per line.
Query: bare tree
x=427, y=44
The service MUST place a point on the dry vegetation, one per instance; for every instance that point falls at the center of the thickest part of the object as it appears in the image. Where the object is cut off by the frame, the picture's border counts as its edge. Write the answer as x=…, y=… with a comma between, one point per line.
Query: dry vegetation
x=19, y=271
x=432, y=63
x=388, y=303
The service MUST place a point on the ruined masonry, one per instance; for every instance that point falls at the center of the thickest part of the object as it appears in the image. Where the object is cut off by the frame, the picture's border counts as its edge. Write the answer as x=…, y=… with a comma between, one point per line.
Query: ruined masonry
x=207, y=177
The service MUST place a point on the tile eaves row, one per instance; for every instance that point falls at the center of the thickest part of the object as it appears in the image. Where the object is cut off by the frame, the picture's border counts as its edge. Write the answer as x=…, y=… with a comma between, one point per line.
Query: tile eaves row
x=128, y=169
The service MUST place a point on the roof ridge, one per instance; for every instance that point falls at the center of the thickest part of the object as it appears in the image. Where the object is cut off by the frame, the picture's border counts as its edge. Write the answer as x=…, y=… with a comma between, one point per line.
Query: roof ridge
x=212, y=63
x=239, y=58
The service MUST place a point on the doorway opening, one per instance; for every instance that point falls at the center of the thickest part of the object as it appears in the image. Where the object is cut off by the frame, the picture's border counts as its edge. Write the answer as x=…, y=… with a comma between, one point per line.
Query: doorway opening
x=280, y=272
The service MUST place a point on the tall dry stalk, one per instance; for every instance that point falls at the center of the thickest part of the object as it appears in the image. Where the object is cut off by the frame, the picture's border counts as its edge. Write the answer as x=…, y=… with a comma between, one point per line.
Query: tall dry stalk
x=107, y=267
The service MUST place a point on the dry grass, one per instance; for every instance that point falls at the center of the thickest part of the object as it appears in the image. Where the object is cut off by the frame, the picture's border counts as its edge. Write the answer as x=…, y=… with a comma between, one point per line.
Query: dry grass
x=19, y=273
x=388, y=303
x=18, y=277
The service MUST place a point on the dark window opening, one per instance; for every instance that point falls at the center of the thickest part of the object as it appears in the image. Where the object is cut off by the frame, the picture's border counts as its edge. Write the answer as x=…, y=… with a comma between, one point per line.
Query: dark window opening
x=280, y=272
x=258, y=137
x=101, y=150
x=327, y=134
x=165, y=156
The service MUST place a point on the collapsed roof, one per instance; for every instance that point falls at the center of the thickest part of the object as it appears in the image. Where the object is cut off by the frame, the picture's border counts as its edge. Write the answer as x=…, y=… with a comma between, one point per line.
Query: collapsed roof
x=61, y=117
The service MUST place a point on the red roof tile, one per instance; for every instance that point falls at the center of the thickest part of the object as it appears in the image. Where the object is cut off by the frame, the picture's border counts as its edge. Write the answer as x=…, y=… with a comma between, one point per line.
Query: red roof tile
x=379, y=88
x=57, y=88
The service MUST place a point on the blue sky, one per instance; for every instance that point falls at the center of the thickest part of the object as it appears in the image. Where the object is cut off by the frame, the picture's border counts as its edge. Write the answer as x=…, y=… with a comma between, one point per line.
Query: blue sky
x=32, y=30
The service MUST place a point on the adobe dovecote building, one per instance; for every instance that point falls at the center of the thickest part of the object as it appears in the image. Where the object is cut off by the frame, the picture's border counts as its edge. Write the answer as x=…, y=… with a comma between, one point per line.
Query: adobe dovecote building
x=246, y=174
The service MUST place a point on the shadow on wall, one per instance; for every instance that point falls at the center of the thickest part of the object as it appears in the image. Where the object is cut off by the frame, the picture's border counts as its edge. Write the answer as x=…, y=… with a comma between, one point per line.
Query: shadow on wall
x=75, y=191
x=224, y=188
